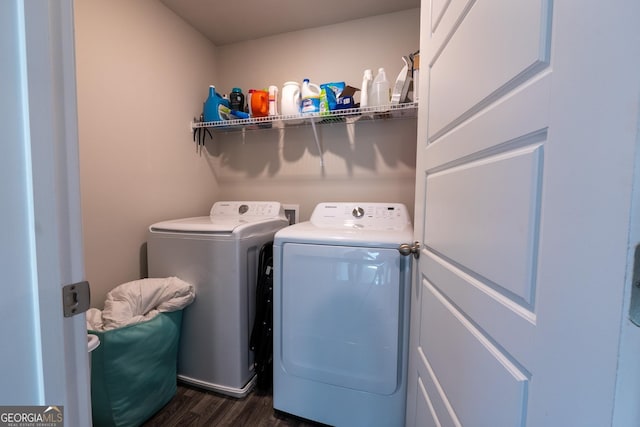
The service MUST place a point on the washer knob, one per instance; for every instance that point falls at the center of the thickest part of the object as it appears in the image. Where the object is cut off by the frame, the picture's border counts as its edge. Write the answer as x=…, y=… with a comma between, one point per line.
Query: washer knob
x=358, y=212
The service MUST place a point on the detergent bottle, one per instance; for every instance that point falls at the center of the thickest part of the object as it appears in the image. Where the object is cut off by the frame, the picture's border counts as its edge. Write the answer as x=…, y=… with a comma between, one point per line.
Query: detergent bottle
x=310, y=94
x=258, y=103
x=366, y=88
x=379, y=89
x=290, y=101
x=237, y=99
x=216, y=108
x=273, y=100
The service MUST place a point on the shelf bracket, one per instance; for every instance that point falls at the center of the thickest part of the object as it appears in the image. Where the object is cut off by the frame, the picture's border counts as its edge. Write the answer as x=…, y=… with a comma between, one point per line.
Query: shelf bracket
x=315, y=135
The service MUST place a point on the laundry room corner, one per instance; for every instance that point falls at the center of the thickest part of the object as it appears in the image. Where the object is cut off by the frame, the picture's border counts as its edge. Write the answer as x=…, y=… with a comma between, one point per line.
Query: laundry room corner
x=141, y=71
x=365, y=161
x=142, y=75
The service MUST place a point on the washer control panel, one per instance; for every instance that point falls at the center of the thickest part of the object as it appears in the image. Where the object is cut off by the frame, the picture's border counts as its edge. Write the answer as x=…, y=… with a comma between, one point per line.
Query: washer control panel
x=373, y=216
x=241, y=209
x=358, y=212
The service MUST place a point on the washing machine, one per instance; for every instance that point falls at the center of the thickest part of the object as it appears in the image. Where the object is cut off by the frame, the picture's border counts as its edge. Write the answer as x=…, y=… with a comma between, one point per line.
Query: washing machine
x=341, y=315
x=218, y=254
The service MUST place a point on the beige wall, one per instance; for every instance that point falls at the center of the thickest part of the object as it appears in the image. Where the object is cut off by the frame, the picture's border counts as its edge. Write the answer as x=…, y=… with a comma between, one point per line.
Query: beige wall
x=338, y=52
x=373, y=161
x=142, y=76
x=370, y=161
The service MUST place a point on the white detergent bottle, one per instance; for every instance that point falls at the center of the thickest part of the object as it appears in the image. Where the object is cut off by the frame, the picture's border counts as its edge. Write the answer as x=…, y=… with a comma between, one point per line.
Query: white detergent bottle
x=379, y=89
x=367, y=80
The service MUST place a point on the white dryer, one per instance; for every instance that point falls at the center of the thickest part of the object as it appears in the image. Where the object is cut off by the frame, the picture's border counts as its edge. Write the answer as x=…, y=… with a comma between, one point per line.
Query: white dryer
x=218, y=254
x=341, y=315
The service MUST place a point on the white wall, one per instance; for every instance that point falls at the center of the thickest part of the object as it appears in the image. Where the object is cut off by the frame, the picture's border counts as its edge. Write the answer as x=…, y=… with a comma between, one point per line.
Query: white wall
x=142, y=75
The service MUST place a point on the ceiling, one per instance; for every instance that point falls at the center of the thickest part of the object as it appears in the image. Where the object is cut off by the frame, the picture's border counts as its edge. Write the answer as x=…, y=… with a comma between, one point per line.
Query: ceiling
x=231, y=21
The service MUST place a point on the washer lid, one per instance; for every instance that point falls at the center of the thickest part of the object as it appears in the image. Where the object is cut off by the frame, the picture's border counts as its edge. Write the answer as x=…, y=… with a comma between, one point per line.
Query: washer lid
x=225, y=217
x=201, y=224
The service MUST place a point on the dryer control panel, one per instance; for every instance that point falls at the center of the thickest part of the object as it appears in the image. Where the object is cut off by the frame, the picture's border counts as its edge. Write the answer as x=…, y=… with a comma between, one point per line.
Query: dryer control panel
x=372, y=216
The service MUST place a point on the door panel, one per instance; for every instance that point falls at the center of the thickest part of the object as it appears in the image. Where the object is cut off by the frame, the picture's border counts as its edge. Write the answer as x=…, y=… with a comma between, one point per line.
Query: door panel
x=486, y=387
x=526, y=149
x=489, y=229
x=487, y=127
x=432, y=396
x=425, y=407
x=482, y=212
x=439, y=8
x=498, y=316
x=510, y=121
x=501, y=42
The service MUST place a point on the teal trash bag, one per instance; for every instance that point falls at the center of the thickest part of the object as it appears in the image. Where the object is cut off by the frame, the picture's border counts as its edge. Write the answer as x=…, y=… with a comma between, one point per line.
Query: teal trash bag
x=134, y=370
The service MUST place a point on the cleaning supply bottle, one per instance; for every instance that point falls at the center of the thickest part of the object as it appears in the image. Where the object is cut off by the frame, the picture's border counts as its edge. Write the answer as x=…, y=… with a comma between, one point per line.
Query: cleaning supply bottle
x=379, y=89
x=290, y=100
x=237, y=99
x=273, y=100
x=367, y=80
x=258, y=103
x=310, y=94
x=249, y=96
x=215, y=107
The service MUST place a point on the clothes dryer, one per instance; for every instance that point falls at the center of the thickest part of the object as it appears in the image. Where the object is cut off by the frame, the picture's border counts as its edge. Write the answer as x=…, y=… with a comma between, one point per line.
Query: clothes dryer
x=218, y=254
x=341, y=315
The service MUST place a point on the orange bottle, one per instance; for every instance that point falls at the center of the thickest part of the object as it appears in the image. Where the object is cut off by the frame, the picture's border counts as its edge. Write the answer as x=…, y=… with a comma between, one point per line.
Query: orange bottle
x=258, y=103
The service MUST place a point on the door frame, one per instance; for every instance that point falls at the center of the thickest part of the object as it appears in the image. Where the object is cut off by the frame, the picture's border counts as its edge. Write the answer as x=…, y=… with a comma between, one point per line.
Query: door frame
x=42, y=211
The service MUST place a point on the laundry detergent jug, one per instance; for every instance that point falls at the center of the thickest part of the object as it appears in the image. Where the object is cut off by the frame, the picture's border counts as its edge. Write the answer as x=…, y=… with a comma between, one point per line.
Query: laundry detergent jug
x=290, y=99
x=258, y=103
x=216, y=108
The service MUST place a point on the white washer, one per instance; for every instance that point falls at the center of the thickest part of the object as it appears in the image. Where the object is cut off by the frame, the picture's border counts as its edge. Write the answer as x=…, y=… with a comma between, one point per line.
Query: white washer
x=218, y=254
x=341, y=315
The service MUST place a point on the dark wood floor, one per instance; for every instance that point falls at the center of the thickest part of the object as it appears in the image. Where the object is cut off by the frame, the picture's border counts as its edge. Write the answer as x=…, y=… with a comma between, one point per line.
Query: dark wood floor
x=196, y=407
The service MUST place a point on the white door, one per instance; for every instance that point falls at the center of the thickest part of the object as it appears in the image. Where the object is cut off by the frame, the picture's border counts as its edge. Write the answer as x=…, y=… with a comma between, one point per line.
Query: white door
x=44, y=359
x=526, y=146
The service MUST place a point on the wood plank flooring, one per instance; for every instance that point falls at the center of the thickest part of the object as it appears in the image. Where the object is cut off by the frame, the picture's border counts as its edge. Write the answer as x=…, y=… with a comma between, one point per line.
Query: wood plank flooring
x=196, y=407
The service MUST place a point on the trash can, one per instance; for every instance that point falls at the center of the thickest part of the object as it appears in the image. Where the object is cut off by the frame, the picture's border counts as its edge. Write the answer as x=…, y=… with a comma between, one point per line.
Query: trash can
x=134, y=370
x=92, y=343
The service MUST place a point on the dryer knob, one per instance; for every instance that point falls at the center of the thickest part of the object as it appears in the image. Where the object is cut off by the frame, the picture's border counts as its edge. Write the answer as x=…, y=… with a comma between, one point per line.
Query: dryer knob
x=358, y=212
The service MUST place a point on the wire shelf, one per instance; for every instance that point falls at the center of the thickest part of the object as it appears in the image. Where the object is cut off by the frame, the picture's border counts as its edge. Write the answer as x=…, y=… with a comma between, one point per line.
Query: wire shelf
x=350, y=115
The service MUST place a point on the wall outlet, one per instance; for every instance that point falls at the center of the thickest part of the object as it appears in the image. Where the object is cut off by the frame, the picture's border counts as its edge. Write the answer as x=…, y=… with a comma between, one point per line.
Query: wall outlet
x=292, y=212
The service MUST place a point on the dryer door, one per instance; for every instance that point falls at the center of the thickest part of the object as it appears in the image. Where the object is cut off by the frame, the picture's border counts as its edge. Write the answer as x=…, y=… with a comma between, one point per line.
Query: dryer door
x=341, y=315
